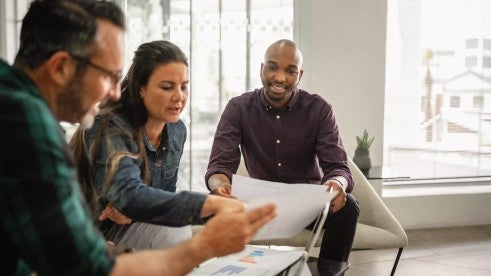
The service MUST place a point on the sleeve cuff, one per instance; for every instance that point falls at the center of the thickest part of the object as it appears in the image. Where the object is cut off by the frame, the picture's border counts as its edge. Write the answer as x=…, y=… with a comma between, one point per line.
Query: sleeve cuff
x=341, y=180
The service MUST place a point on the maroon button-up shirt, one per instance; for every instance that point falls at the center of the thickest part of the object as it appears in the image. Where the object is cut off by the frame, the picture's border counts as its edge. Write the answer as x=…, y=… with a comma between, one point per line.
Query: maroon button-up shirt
x=287, y=145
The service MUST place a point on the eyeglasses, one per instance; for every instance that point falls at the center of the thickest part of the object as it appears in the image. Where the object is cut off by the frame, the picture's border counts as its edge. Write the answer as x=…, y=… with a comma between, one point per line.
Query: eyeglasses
x=114, y=76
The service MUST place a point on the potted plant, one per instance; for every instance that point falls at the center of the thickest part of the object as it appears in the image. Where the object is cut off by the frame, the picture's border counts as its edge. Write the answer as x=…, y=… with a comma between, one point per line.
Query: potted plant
x=362, y=152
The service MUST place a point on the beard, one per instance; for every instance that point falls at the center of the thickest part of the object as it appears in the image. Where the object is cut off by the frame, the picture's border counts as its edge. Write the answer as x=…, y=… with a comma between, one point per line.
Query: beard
x=277, y=97
x=71, y=102
x=88, y=118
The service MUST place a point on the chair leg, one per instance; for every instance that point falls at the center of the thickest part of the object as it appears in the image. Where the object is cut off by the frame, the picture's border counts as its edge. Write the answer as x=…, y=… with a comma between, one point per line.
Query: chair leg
x=396, y=261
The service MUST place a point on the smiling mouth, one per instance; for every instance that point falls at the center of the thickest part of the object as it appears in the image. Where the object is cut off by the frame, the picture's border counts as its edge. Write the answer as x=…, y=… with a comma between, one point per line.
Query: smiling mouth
x=277, y=89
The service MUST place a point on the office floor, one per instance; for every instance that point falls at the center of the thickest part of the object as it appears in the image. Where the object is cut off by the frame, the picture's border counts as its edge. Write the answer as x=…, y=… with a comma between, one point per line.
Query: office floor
x=442, y=251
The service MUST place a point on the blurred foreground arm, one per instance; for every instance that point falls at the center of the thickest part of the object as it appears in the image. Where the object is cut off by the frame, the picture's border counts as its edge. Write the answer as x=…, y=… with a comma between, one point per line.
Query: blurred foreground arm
x=227, y=232
x=213, y=204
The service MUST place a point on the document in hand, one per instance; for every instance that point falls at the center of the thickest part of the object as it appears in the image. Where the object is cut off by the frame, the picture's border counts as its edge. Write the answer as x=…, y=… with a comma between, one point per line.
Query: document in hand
x=297, y=204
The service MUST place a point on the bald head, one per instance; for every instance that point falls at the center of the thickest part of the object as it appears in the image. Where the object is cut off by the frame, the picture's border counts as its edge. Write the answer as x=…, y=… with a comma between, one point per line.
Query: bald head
x=285, y=47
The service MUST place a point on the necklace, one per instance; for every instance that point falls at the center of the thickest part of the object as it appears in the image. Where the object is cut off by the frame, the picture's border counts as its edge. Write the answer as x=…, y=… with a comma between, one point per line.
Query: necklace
x=158, y=141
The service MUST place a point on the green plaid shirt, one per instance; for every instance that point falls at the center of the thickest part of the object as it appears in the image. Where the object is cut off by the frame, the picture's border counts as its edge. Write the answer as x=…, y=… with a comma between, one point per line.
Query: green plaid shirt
x=44, y=222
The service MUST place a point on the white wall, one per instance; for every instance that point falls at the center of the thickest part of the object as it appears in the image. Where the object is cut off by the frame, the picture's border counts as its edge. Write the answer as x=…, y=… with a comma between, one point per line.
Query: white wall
x=343, y=43
x=346, y=51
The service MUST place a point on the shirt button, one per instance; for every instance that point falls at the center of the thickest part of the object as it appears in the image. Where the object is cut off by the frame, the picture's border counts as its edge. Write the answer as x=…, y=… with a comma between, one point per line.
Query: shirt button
x=277, y=141
x=163, y=148
x=158, y=163
x=279, y=164
x=277, y=116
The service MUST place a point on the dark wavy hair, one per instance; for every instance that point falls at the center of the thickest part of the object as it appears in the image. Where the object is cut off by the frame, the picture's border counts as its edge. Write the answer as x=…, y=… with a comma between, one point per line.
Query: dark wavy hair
x=130, y=107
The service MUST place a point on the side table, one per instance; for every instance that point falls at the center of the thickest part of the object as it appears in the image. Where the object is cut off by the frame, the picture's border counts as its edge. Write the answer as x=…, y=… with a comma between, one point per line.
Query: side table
x=378, y=174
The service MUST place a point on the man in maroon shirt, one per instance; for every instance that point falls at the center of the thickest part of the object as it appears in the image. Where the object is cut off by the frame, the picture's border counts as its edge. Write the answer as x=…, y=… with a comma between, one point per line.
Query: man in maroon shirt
x=287, y=135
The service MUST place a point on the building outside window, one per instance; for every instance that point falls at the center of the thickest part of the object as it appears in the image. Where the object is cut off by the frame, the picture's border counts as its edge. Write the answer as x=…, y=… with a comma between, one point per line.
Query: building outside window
x=437, y=113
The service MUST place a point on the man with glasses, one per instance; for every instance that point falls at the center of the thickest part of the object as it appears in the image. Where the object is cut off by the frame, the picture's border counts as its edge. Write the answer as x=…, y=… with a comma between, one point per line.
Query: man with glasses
x=70, y=59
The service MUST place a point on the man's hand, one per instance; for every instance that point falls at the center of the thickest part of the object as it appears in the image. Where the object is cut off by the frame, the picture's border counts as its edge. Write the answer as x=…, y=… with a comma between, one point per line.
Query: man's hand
x=340, y=200
x=224, y=190
x=110, y=212
x=219, y=184
x=229, y=231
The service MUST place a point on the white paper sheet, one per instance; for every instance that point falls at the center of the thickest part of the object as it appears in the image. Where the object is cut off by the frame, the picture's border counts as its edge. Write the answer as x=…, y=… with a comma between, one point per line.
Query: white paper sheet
x=297, y=204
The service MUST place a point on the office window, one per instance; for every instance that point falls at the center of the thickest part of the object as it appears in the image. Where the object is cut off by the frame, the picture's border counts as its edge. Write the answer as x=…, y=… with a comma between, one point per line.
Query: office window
x=471, y=43
x=225, y=43
x=455, y=101
x=486, y=62
x=471, y=61
x=436, y=122
x=478, y=102
x=486, y=44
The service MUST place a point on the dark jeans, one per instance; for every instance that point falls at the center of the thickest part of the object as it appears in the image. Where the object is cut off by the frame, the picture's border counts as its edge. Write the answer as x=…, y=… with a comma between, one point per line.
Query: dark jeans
x=340, y=228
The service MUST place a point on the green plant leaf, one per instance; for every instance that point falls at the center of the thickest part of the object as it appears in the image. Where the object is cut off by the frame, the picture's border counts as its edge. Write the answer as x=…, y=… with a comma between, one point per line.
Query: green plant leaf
x=364, y=143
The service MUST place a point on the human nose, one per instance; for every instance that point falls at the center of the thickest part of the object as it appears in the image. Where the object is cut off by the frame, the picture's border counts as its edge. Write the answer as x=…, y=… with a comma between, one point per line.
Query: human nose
x=180, y=95
x=114, y=92
x=279, y=76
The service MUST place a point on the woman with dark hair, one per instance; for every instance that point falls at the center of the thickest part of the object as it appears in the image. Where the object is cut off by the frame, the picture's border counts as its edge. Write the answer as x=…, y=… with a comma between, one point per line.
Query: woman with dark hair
x=129, y=160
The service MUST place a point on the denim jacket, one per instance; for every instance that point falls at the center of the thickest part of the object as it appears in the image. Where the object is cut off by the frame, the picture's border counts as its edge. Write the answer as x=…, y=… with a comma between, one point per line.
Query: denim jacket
x=155, y=202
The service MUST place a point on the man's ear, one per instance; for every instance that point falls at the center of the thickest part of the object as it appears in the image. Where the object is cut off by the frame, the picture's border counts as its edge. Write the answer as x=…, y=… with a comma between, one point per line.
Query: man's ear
x=61, y=67
x=300, y=76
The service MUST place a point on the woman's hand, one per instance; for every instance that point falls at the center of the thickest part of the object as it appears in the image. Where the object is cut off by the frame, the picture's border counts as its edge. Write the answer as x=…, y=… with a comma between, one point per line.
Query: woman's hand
x=110, y=212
